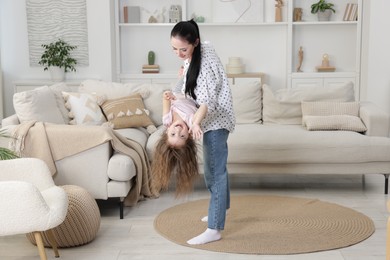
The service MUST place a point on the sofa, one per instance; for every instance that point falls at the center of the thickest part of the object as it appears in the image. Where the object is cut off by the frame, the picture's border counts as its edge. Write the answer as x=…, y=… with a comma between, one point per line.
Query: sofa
x=278, y=131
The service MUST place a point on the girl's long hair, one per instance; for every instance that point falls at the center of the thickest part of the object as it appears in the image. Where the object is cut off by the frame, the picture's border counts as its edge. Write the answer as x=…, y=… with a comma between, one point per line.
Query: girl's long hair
x=171, y=161
x=189, y=31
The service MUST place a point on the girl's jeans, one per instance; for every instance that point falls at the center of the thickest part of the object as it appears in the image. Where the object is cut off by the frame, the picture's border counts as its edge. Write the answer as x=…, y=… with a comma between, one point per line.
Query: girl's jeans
x=215, y=153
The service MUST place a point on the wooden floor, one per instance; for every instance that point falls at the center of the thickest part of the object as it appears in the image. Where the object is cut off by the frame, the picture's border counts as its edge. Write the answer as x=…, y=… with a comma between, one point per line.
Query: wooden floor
x=135, y=238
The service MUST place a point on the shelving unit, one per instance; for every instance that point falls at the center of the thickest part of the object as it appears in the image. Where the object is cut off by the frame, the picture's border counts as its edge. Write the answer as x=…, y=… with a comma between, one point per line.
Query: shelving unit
x=263, y=44
x=341, y=40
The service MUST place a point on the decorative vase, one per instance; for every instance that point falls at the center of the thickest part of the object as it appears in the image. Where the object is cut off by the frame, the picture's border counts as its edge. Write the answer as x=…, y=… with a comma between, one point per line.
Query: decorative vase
x=151, y=57
x=56, y=73
x=325, y=15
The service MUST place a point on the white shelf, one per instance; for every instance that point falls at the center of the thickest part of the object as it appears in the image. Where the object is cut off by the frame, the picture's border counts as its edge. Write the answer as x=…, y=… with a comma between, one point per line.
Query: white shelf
x=329, y=23
x=263, y=45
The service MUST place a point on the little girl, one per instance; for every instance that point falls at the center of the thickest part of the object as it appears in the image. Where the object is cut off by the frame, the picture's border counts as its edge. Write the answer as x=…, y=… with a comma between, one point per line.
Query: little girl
x=176, y=151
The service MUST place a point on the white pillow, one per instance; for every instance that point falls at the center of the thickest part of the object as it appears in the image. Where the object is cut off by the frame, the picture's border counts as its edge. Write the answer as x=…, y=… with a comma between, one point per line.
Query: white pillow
x=57, y=89
x=37, y=104
x=111, y=90
x=247, y=102
x=83, y=108
x=284, y=105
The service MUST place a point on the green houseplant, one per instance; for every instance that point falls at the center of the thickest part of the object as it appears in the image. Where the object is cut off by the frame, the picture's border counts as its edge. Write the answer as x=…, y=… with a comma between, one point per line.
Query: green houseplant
x=323, y=9
x=58, y=55
x=5, y=153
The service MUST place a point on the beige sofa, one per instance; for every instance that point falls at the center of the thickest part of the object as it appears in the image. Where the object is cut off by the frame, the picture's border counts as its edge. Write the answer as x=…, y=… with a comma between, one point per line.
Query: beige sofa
x=339, y=136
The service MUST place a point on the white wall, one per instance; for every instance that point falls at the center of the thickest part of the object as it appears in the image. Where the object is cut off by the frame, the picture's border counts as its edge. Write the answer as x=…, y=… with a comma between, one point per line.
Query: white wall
x=14, y=46
x=376, y=54
x=375, y=76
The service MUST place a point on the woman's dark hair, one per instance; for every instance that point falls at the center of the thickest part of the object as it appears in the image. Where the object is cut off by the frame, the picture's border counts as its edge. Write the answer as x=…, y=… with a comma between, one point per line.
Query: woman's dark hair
x=189, y=31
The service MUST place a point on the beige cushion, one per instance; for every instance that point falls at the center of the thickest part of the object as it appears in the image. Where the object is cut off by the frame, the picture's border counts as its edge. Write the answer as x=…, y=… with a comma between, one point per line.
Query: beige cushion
x=153, y=102
x=112, y=90
x=332, y=116
x=247, y=102
x=37, y=104
x=330, y=108
x=127, y=112
x=284, y=105
x=83, y=108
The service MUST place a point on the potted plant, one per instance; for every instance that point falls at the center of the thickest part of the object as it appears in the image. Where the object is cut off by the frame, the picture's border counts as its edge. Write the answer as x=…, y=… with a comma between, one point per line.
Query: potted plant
x=57, y=59
x=323, y=10
x=6, y=154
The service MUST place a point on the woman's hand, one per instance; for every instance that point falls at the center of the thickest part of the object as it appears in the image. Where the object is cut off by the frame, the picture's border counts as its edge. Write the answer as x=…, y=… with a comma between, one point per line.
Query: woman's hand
x=196, y=131
x=181, y=72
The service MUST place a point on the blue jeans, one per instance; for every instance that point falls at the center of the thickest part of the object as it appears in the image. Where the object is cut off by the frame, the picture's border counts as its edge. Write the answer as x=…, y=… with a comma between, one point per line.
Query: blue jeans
x=215, y=153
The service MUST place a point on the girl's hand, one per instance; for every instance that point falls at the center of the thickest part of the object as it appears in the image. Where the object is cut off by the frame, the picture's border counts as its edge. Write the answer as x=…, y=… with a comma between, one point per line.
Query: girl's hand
x=196, y=132
x=168, y=95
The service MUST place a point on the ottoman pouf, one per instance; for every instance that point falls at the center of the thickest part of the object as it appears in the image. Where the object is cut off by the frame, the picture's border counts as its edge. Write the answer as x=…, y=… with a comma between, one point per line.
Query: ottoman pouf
x=81, y=223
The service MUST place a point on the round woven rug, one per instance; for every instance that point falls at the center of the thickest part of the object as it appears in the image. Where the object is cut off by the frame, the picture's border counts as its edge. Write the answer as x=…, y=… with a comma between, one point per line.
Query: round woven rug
x=269, y=225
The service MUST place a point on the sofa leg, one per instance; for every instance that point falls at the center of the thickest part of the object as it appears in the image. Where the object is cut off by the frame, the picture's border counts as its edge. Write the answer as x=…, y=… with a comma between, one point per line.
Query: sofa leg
x=121, y=203
x=386, y=183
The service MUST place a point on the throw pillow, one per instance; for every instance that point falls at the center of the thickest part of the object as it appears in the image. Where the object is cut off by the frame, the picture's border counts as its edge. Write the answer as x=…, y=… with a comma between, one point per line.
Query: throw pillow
x=247, y=102
x=57, y=89
x=334, y=122
x=37, y=104
x=284, y=105
x=128, y=112
x=330, y=108
x=332, y=116
x=83, y=108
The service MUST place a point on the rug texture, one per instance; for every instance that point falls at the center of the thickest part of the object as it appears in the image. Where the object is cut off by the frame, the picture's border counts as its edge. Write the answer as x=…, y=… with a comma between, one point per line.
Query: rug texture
x=269, y=225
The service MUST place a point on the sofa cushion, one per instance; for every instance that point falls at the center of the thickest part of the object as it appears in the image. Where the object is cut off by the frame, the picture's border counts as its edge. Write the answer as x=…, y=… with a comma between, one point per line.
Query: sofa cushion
x=112, y=90
x=274, y=143
x=247, y=102
x=37, y=104
x=283, y=106
x=57, y=89
x=127, y=112
x=83, y=108
x=136, y=134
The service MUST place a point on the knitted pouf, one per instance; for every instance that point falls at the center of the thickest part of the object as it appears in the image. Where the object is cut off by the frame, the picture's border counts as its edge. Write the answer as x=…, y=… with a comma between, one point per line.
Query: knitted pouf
x=82, y=220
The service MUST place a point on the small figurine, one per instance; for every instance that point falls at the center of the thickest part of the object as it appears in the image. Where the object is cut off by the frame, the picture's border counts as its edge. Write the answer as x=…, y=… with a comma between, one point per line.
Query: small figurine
x=300, y=57
x=175, y=14
x=278, y=10
x=297, y=15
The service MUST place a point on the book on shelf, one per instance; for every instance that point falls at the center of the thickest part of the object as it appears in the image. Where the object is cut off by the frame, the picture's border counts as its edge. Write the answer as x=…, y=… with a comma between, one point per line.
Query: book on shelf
x=150, y=68
x=350, y=13
x=354, y=12
x=131, y=14
x=125, y=14
x=346, y=12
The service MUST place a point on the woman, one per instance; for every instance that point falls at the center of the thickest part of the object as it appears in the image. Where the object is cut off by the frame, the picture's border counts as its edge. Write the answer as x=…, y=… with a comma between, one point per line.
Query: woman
x=205, y=80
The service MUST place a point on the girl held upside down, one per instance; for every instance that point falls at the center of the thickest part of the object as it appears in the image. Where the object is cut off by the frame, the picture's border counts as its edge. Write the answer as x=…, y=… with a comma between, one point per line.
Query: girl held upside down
x=176, y=151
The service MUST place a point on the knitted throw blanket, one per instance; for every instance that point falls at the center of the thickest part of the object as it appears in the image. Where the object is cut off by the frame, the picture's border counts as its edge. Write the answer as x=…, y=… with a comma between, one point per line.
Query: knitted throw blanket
x=53, y=142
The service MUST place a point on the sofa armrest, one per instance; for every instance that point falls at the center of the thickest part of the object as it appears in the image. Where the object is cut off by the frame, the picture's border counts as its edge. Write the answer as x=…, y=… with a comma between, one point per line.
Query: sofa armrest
x=376, y=120
x=11, y=120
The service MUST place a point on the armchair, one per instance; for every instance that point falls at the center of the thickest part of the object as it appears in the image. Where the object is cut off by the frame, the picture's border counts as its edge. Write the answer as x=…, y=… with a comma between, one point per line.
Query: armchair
x=30, y=201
